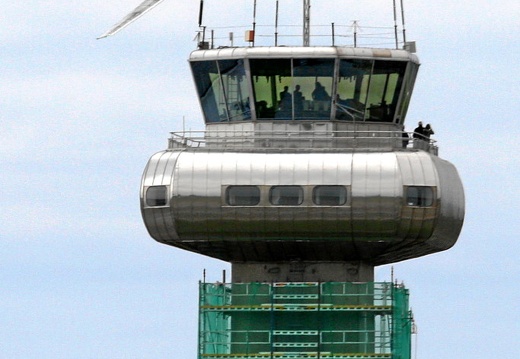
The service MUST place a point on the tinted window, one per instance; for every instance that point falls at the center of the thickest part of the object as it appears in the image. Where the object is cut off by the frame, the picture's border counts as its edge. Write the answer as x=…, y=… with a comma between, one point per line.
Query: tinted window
x=385, y=87
x=222, y=89
x=329, y=195
x=286, y=195
x=242, y=195
x=156, y=196
x=286, y=89
x=208, y=84
x=419, y=196
x=369, y=90
x=270, y=77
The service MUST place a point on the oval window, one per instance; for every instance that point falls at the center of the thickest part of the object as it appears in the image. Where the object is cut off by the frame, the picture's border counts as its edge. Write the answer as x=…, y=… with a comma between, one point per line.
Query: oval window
x=242, y=195
x=419, y=196
x=156, y=196
x=286, y=195
x=329, y=195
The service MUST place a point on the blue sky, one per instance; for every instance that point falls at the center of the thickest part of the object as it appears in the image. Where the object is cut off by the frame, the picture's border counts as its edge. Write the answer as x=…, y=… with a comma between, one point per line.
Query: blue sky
x=80, y=117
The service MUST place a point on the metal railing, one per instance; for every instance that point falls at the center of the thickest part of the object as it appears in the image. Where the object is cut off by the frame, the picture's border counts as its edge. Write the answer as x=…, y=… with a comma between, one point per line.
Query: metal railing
x=352, y=35
x=237, y=140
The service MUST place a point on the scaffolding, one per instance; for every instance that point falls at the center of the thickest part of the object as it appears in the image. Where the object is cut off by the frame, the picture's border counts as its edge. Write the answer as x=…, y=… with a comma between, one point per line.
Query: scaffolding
x=339, y=320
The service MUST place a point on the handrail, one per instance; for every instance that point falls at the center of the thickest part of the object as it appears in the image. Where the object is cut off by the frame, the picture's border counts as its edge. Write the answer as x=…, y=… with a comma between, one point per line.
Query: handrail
x=276, y=139
x=332, y=34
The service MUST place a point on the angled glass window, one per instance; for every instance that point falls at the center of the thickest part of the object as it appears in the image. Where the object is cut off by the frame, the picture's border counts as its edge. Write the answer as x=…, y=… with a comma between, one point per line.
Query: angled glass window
x=156, y=196
x=369, y=90
x=235, y=89
x=329, y=195
x=242, y=195
x=222, y=89
x=385, y=88
x=205, y=74
x=286, y=195
x=419, y=196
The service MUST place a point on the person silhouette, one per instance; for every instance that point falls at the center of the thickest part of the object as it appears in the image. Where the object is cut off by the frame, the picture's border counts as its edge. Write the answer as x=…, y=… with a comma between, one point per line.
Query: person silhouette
x=298, y=98
x=406, y=139
x=285, y=99
x=319, y=93
x=418, y=133
x=428, y=131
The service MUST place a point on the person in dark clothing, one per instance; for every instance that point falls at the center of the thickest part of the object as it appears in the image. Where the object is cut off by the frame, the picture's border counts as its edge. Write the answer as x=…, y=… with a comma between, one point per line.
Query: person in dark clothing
x=298, y=99
x=319, y=93
x=428, y=131
x=285, y=99
x=406, y=139
x=419, y=132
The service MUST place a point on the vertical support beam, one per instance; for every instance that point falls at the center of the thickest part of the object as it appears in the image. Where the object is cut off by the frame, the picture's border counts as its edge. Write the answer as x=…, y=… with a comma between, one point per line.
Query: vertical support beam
x=306, y=22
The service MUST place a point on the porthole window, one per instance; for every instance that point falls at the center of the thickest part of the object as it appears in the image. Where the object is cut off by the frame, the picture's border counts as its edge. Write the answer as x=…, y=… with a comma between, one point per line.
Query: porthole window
x=242, y=195
x=419, y=196
x=286, y=195
x=156, y=196
x=329, y=195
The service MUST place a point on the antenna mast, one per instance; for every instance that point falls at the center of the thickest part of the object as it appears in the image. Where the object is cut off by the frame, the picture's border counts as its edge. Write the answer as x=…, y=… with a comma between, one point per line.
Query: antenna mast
x=395, y=26
x=276, y=26
x=254, y=22
x=306, y=22
x=201, y=9
x=402, y=18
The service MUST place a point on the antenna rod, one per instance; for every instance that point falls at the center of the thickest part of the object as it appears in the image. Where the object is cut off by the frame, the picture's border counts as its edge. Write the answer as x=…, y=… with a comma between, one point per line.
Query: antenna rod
x=306, y=22
x=276, y=26
x=402, y=18
x=200, y=12
x=332, y=34
x=395, y=26
x=254, y=22
x=354, y=28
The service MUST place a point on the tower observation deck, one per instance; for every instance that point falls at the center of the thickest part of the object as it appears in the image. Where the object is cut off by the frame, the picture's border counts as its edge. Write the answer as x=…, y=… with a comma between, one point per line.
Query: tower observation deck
x=305, y=180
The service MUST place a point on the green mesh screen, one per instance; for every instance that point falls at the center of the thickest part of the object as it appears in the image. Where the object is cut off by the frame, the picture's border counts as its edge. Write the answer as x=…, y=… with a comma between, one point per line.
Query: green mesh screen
x=304, y=320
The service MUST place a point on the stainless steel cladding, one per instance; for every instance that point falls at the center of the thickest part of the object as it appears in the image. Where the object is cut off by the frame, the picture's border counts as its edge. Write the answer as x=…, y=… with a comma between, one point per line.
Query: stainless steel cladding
x=380, y=207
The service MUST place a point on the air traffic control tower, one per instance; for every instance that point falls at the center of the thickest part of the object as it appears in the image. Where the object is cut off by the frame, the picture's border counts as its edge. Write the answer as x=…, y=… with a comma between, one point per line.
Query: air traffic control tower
x=304, y=180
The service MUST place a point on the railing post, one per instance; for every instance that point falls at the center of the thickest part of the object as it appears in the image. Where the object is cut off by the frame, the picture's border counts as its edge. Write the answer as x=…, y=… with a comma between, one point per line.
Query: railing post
x=332, y=34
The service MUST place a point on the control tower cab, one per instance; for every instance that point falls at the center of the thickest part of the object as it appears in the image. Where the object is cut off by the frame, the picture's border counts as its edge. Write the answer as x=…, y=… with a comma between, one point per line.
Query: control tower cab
x=304, y=158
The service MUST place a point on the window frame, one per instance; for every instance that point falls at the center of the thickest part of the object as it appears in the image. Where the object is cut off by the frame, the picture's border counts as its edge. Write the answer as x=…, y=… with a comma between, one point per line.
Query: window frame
x=229, y=188
x=427, y=201
x=316, y=188
x=265, y=200
x=164, y=201
x=301, y=197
